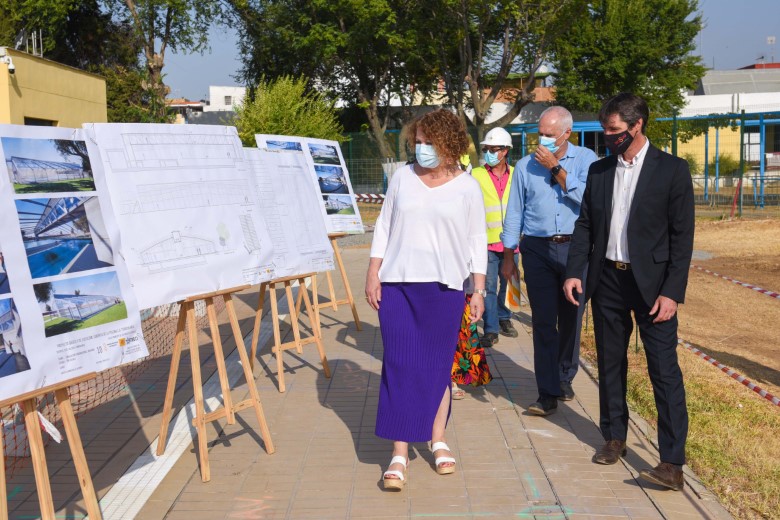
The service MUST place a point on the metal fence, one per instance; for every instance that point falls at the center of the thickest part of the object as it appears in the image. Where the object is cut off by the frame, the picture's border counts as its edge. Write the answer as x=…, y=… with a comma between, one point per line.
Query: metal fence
x=720, y=149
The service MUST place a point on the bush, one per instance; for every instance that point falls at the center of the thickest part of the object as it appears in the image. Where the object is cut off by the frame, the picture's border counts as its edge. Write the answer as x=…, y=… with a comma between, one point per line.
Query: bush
x=693, y=164
x=728, y=166
x=285, y=107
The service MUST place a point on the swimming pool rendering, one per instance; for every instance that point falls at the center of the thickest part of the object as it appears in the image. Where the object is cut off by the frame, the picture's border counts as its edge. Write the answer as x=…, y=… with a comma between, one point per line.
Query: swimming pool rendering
x=50, y=257
x=63, y=235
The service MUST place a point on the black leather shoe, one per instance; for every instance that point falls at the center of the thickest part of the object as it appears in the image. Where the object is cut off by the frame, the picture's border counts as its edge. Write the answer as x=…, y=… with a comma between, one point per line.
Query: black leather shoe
x=665, y=474
x=567, y=392
x=488, y=339
x=507, y=329
x=543, y=406
x=611, y=452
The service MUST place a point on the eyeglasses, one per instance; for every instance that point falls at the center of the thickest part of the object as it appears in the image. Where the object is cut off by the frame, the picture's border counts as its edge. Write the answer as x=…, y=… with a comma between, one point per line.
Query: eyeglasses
x=493, y=149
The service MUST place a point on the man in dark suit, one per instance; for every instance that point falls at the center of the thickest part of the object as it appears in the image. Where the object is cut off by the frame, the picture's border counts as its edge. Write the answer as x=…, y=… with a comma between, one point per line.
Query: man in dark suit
x=635, y=232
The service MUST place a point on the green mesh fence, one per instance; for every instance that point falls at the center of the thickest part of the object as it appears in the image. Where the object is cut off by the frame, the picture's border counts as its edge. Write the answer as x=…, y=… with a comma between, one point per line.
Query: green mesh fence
x=734, y=158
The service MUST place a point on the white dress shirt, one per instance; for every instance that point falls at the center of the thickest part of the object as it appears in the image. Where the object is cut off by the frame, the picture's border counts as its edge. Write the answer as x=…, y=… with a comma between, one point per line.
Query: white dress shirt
x=426, y=234
x=626, y=178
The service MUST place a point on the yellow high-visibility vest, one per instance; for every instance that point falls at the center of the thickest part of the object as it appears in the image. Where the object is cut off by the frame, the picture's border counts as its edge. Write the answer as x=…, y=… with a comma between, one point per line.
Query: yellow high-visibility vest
x=495, y=208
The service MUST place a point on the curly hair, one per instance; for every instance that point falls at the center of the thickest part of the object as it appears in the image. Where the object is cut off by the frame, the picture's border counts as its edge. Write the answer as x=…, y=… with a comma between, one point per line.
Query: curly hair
x=446, y=132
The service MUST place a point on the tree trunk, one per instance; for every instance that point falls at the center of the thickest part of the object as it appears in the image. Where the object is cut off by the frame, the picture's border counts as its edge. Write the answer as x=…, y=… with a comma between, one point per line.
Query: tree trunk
x=156, y=88
x=378, y=130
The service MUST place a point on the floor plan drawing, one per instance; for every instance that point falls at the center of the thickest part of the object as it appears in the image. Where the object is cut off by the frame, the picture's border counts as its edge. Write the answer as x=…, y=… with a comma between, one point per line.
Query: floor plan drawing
x=292, y=211
x=179, y=195
x=190, y=219
x=151, y=151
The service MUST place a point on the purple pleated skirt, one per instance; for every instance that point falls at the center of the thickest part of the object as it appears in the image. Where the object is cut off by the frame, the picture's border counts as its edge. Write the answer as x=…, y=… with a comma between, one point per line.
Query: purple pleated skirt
x=420, y=324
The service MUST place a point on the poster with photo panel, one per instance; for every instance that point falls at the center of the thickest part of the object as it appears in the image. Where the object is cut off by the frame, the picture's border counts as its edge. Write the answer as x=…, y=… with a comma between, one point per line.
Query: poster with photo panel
x=66, y=304
x=328, y=172
x=186, y=206
x=291, y=209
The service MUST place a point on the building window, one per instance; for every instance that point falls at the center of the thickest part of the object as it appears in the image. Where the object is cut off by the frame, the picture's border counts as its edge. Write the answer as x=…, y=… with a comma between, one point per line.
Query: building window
x=228, y=100
x=34, y=121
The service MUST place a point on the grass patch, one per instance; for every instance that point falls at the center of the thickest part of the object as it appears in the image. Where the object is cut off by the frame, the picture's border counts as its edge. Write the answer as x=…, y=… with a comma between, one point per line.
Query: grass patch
x=734, y=434
x=62, y=325
x=56, y=186
x=369, y=212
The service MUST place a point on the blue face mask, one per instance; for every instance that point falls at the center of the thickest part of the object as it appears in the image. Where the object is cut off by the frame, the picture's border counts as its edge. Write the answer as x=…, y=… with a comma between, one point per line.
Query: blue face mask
x=426, y=155
x=549, y=142
x=491, y=158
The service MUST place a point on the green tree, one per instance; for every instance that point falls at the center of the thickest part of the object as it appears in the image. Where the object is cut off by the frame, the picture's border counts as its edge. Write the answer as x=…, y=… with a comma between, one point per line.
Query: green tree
x=48, y=16
x=478, y=44
x=160, y=25
x=68, y=148
x=43, y=291
x=639, y=46
x=365, y=52
x=285, y=107
x=87, y=35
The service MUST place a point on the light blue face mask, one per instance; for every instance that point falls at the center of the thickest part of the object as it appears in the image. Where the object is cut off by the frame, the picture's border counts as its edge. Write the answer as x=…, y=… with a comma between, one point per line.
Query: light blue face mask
x=549, y=142
x=491, y=158
x=426, y=155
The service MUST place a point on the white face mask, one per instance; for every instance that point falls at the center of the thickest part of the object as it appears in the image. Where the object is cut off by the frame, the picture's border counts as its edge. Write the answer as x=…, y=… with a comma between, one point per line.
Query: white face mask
x=426, y=155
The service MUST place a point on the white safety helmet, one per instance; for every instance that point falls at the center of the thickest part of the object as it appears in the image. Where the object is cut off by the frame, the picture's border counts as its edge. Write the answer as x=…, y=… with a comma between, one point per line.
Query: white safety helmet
x=497, y=137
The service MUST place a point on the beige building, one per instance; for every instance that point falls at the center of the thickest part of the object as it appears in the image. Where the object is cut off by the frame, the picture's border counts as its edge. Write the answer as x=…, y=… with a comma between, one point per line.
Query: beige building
x=37, y=91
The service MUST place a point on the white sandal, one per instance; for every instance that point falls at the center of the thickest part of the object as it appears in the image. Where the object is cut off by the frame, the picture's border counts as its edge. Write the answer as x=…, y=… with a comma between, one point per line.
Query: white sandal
x=400, y=481
x=443, y=470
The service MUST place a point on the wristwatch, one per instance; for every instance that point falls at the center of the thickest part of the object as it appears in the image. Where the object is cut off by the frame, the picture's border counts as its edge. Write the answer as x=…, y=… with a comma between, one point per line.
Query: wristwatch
x=481, y=292
x=555, y=169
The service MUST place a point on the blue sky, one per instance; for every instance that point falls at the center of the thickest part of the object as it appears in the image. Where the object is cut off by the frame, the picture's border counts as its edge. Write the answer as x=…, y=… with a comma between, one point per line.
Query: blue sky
x=43, y=149
x=102, y=284
x=734, y=35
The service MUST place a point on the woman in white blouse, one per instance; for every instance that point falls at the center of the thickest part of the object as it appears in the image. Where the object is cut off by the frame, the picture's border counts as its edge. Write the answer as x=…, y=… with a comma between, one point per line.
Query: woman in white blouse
x=429, y=237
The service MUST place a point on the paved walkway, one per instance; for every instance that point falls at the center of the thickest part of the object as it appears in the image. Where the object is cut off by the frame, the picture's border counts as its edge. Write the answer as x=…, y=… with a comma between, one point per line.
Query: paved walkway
x=328, y=463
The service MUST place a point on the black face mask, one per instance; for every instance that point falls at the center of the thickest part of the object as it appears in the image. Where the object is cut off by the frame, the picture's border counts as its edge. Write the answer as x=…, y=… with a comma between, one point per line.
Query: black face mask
x=618, y=143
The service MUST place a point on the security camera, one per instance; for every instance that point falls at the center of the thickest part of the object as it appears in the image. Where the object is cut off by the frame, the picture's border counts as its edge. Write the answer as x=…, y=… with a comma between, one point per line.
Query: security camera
x=7, y=60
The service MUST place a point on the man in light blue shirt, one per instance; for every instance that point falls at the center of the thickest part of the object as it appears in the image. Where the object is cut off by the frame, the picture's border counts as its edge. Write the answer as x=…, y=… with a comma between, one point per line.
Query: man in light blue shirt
x=544, y=203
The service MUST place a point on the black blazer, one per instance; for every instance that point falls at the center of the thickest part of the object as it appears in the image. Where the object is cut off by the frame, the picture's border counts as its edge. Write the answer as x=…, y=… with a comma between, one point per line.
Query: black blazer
x=660, y=226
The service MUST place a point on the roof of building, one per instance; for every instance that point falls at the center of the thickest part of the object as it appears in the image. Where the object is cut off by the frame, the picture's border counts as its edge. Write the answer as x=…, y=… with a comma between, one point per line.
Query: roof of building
x=770, y=65
x=745, y=81
x=183, y=102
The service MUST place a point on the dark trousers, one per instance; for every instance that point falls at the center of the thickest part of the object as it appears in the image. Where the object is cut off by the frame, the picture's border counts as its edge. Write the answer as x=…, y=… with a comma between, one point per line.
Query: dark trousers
x=556, y=322
x=614, y=299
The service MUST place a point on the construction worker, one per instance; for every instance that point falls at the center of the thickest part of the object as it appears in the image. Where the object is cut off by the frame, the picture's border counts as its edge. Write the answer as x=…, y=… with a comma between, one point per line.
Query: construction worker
x=495, y=178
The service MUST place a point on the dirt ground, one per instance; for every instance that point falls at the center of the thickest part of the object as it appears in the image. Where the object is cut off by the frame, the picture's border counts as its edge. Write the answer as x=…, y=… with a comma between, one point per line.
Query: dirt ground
x=735, y=325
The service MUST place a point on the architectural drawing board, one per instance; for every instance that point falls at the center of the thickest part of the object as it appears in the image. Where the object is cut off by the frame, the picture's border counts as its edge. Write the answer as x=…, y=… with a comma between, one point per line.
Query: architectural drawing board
x=186, y=206
x=291, y=209
x=67, y=307
x=328, y=172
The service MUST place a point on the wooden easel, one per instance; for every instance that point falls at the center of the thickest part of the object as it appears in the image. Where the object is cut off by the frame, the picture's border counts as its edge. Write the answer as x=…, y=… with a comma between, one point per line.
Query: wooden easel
x=35, y=438
x=187, y=321
x=334, y=301
x=278, y=347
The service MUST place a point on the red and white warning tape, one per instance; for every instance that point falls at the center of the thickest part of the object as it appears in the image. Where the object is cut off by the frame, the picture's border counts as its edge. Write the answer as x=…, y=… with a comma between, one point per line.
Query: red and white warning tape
x=731, y=373
x=377, y=198
x=771, y=294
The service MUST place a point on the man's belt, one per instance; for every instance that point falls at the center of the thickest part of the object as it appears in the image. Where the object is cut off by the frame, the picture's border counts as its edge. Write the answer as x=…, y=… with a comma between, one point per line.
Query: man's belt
x=559, y=239
x=620, y=266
